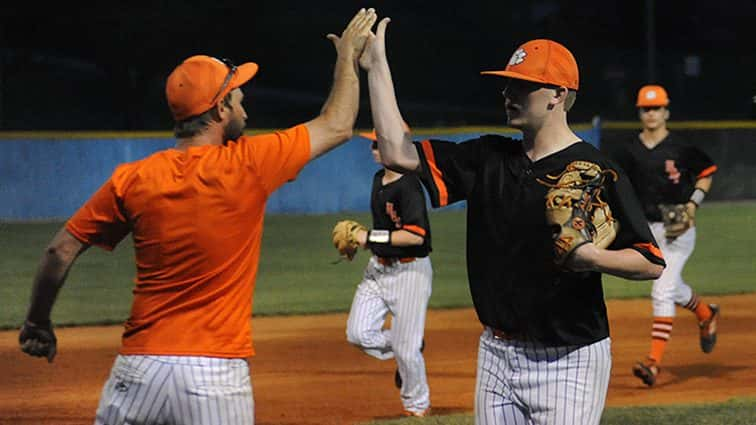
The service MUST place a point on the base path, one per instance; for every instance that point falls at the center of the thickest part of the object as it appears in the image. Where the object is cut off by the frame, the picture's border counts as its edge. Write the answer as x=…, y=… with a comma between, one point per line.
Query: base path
x=306, y=373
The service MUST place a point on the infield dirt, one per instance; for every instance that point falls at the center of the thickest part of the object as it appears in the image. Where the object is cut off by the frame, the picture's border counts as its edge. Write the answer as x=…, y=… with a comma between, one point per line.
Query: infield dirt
x=306, y=373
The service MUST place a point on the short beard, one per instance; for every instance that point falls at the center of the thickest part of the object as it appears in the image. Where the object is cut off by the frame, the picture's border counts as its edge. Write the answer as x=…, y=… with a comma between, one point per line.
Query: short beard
x=233, y=131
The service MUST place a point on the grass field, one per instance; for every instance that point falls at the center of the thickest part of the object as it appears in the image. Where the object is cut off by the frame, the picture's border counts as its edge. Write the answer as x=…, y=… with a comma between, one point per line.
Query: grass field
x=734, y=412
x=296, y=275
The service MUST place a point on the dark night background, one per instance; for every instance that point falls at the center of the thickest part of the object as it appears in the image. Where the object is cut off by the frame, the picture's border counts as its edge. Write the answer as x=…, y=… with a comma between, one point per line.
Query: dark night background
x=102, y=65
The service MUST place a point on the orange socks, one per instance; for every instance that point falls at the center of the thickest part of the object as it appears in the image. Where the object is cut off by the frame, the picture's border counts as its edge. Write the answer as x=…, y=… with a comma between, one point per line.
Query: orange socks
x=662, y=327
x=701, y=310
x=660, y=332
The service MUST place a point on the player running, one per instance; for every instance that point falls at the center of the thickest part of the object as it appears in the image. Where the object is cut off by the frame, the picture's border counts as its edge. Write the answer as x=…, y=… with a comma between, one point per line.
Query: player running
x=195, y=213
x=544, y=354
x=397, y=280
x=671, y=179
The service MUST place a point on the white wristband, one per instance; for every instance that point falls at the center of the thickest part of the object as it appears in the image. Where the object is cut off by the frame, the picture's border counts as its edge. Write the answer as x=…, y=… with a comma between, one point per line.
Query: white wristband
x=379, y=236
x=698, y=196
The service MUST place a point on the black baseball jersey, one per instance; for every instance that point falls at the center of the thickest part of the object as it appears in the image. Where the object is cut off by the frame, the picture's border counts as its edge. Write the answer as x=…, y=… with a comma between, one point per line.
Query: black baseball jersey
x=400, y=205
x=666, y=174
x=515, y=285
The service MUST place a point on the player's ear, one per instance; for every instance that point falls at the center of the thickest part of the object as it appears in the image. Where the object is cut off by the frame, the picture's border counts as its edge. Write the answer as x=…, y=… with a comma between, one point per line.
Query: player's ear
x=666, y=114
x=560, y=95
x=219, y=109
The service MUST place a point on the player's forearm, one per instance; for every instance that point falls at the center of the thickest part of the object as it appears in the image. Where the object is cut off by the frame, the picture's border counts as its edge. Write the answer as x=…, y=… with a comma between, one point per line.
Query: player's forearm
x=397, y=150
x=388, y=237
x=342, y=105
x=53, y=268
x=625, y=263
x=335, y=123
x=405, y=238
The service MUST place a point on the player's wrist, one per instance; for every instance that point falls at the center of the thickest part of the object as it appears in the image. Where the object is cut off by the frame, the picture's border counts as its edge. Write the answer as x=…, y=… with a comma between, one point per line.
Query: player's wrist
x=44, y=324
x=378, y=237
x=697, y=197
x=362, y=238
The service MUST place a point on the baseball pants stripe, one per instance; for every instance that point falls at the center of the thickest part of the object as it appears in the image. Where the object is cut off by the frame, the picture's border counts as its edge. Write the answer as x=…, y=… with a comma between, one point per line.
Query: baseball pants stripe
x=521, y=383
x=176, y=390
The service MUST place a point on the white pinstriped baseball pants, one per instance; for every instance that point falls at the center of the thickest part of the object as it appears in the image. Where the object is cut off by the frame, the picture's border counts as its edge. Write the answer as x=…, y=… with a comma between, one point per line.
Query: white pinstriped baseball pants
x=177, y=390
x=670, y=288
x=521, y=383
x=402, y=289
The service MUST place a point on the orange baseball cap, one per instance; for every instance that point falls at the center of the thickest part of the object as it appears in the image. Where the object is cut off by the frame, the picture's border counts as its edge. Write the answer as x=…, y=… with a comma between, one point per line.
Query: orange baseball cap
x=652, y=95
x=374, y=137
x=200, y=82
x=542, y=61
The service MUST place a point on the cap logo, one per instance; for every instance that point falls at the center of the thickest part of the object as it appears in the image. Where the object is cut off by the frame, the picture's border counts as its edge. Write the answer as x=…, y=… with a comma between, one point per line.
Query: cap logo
x=517, y=57
x=650, y=95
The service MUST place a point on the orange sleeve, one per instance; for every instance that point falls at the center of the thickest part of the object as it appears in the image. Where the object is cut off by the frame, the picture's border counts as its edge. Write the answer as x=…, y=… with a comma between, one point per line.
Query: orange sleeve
x=651, y=252
x=438, y=180
x=414, y=229
x=707, y=172
x=277, y=157
x=100, y=221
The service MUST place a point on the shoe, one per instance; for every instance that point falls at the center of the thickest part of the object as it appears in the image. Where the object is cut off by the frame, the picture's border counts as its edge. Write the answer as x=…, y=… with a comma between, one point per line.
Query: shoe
x=397, y=376
x=709, y=330
x=647, y=372
x=421, y=414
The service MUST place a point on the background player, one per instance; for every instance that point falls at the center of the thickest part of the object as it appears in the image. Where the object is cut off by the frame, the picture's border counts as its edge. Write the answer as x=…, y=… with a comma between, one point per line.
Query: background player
x=196, y=214
x=544, y=355
x=397, y=280
x=666, y=171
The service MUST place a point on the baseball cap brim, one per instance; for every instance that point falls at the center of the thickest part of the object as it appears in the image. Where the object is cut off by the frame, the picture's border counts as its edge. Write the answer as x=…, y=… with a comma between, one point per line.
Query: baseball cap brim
x=518, y=76
x=651, y=104
x=244, y=73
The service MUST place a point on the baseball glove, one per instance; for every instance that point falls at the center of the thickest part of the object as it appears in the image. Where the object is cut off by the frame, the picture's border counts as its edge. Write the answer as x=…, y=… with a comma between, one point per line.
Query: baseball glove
x=677, y=219
x=345, y=238
x=575, y=210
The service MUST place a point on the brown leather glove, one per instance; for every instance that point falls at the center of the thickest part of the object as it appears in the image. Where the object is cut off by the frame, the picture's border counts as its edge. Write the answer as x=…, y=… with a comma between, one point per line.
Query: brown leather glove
x=345, y=238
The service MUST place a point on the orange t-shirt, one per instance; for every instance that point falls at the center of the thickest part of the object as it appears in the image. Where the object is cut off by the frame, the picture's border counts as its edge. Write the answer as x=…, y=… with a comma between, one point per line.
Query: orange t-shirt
x=196, y=218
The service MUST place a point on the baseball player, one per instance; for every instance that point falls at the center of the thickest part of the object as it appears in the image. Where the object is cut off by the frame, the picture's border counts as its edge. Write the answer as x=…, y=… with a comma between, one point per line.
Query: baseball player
x=666, y=172
x=195, y=213
x=544, y=354
x=397, y=280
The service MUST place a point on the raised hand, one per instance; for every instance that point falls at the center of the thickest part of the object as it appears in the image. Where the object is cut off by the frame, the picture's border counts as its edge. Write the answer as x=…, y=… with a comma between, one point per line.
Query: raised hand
x=375, y=50
x=353, y=39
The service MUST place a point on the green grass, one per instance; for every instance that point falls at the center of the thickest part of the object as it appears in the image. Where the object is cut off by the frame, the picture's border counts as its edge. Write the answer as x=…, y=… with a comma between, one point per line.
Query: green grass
x=296, y=275
x=733, y=412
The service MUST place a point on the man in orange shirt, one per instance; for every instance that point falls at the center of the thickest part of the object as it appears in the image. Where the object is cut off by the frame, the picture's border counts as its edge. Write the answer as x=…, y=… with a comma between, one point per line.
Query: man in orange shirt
x=195, y=213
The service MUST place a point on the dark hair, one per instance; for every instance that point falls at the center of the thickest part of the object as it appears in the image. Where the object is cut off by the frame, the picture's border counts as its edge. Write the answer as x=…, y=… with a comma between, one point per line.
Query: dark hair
x=197, y=124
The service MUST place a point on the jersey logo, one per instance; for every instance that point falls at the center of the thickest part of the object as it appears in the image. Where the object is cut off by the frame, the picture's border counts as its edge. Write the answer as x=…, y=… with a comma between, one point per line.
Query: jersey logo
x=391, y=211
x=517, y=57
x=672, y=172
